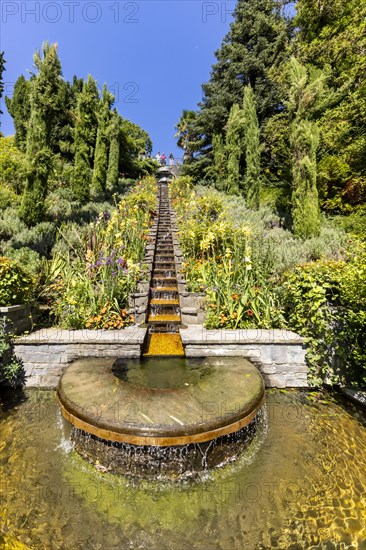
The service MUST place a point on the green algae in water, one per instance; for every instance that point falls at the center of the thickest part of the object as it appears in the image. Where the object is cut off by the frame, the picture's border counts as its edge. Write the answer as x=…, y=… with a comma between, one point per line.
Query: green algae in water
x=303, y=485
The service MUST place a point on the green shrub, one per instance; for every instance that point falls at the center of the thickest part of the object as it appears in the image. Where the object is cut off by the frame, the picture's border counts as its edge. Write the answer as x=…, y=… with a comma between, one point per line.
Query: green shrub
x=8, y=197
x=326, y=302
x=10, y=366
x=10, y=223
x=59, y=205
x=27, y=258
x=354, y=224
x=40, y=238
x=11, y=165
x=16, y=286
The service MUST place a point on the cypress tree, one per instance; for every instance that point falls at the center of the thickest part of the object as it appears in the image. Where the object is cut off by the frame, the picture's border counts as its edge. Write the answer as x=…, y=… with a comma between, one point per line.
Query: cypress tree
x=19, y=108
x=220, y=160
x=84, y=139
x=46, y=95
x=304, y=91
x=114, y=149
x=252, y=148
x=101, y=148
x=305, y=203
x=63, y=130
x=233, y=150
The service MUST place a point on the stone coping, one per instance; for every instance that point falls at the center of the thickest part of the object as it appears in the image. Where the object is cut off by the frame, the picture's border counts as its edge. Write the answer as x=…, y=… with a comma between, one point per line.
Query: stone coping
x=8, y=309
x=198, y=334
x=130, y=335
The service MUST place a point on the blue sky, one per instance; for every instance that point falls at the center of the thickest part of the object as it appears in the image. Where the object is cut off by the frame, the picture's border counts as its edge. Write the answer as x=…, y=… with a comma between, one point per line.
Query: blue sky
x=153, y=54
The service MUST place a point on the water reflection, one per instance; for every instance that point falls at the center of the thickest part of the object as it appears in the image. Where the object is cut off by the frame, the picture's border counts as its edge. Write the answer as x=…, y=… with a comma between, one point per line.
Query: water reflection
x=303, y=486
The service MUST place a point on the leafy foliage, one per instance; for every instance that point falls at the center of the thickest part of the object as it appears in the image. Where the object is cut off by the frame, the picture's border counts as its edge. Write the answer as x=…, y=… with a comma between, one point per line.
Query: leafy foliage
x=16, y=286
x=326, y=302
x=12, y=165
x=10, y=367
x=332, y=36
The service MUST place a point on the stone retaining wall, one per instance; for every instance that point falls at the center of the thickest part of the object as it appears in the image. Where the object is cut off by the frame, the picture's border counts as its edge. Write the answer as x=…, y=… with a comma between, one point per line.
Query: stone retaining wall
x=279, y=354
x=46, y=353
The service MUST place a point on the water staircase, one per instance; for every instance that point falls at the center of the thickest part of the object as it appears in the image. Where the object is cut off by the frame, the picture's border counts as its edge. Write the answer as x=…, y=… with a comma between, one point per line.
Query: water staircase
x=164, y=316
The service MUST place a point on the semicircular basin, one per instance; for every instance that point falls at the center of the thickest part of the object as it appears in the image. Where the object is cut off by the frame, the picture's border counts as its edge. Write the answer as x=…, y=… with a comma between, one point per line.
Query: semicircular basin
x=223, y=400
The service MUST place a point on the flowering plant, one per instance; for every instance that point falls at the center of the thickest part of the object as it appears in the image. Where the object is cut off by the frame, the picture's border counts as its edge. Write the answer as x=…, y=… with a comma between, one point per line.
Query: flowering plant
x=92, y=284
x=218, y=252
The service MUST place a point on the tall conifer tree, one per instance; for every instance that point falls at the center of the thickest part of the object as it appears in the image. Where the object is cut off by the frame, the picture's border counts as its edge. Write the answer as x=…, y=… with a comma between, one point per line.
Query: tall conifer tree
x=46, y=98
x=305, y=204
x=84, y=139
x=252, y=149
x=114, y=150
x=256, y=43
x=19, y=108
x=233, y=148
x=305, y=90
x=220, y=161
x=101, y=148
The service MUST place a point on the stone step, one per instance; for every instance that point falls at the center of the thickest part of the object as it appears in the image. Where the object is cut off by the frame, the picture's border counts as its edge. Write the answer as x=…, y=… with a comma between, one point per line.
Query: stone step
x=165, y=289
x=169, y=282
x=164, y=328
x=157, y=319
x=166, y=273
x=165, y=345
x=158, y=302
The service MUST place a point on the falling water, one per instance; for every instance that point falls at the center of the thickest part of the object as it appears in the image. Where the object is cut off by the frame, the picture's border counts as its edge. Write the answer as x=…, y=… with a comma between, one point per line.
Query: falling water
x=164, y=315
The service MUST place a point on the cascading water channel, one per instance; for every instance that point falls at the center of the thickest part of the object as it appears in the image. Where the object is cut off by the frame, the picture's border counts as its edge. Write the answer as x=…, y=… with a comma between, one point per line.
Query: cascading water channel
x=161, y=416
x=164, y=309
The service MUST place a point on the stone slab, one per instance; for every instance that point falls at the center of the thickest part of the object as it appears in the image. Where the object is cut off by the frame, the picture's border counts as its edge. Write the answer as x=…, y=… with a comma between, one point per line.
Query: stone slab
x=197, y=334
x=131, y=335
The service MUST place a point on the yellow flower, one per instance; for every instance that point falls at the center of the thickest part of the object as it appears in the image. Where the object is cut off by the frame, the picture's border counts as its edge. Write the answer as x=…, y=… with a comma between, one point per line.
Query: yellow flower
x=89, y=256
x=246, y=231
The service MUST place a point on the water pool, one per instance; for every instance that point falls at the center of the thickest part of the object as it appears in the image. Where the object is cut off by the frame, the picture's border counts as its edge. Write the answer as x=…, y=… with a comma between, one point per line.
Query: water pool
x=301, y=484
